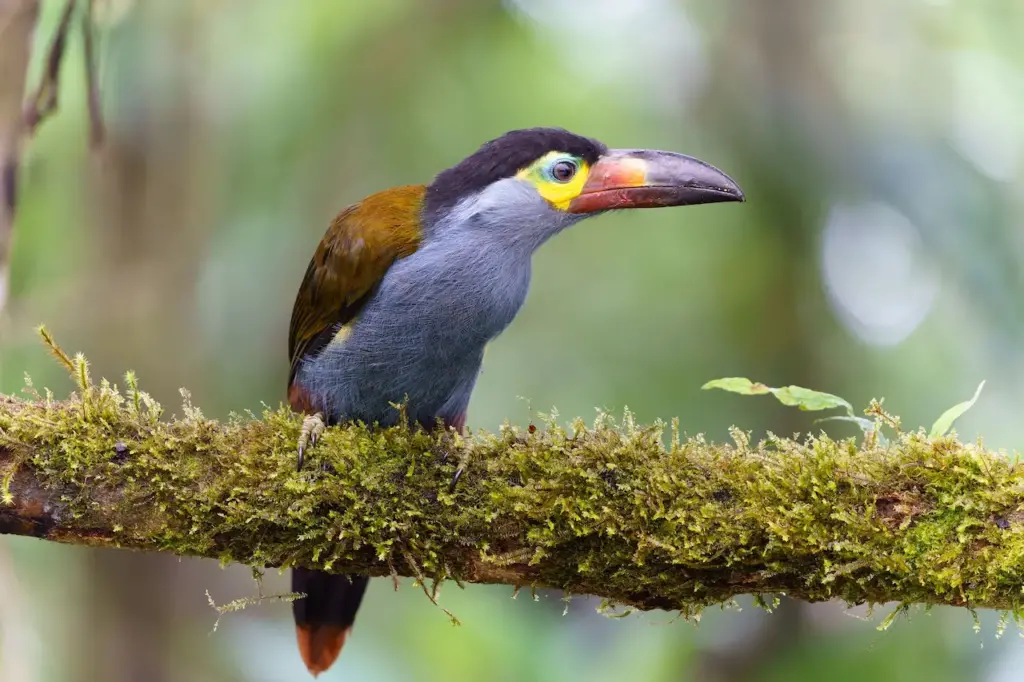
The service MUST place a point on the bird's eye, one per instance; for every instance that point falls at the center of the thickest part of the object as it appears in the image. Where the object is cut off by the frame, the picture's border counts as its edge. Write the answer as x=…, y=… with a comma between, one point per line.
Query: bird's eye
x=563, y=171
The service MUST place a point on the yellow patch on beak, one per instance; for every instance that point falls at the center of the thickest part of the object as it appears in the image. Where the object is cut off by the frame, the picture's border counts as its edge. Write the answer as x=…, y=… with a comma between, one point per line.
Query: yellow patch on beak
x=558, y=194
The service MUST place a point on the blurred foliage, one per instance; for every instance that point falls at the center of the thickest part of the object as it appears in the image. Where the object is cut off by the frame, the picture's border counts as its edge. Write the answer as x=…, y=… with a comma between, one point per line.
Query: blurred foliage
x=880, y=144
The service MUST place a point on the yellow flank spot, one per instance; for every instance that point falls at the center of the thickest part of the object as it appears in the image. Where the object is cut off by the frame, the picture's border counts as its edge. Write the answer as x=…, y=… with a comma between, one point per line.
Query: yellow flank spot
x=343, y=334
x=558, y=194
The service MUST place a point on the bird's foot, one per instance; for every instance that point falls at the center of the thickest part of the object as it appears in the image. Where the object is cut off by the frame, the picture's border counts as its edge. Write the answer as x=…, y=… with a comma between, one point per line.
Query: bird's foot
x=312, y=428
x=448, y=447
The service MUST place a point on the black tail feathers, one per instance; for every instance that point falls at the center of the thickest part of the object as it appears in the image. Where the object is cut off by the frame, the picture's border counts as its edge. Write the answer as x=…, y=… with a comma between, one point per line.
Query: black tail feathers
x=324, y=617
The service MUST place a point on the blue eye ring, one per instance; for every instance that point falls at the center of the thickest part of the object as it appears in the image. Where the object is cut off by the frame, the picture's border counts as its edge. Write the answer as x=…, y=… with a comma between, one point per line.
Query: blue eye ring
x=563, y=170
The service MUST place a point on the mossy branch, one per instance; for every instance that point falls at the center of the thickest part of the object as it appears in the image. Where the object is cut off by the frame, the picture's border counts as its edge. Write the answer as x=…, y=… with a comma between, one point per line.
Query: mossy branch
x=605, y=509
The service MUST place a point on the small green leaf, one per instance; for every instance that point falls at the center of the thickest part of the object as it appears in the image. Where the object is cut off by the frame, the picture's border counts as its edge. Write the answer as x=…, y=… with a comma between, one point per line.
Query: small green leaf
x=866, y=425
x=738, y=385
x=863, y=422
x=794, y=396
x=806, y=399
x=944, y=423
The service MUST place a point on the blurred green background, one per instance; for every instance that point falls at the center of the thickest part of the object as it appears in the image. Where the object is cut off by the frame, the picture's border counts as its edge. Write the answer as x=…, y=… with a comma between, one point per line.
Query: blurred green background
x=881, y=146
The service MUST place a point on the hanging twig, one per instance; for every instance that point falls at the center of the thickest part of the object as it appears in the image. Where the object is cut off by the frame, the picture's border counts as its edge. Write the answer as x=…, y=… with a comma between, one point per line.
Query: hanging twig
x=17, y=25
x=43, y=101
x=20, y=117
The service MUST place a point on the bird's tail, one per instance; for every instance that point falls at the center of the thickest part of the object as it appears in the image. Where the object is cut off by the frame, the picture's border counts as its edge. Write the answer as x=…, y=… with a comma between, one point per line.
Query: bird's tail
x=324, y=617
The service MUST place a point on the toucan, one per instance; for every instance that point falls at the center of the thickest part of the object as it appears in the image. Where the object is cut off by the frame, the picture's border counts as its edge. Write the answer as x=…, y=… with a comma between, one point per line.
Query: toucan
x=408, y=286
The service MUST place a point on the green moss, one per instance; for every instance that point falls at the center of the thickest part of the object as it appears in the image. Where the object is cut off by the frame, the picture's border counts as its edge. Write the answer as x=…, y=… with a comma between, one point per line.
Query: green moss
x=604, y=509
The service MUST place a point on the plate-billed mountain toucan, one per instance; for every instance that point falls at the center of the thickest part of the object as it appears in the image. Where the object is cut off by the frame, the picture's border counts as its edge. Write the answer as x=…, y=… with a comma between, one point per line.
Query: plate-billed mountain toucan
x=408, y=286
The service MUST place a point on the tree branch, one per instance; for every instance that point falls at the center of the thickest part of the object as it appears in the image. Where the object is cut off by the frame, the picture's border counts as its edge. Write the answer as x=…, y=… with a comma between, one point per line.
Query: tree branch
x=604, y=509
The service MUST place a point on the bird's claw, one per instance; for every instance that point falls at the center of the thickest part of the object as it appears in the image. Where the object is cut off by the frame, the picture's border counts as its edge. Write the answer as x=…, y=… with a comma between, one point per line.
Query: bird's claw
x=455, y=479
x=460, y=469
x=312, y=428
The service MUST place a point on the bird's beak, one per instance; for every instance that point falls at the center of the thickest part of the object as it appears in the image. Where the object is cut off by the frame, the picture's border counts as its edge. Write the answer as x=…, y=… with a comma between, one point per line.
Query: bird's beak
x=646, y=178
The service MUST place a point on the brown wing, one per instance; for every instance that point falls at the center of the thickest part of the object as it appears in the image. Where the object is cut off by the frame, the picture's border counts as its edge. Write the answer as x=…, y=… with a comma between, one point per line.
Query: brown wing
x=352, y=258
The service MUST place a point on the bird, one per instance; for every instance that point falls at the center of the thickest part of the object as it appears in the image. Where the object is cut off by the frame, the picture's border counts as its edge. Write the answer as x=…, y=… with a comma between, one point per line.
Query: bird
x=410, y=284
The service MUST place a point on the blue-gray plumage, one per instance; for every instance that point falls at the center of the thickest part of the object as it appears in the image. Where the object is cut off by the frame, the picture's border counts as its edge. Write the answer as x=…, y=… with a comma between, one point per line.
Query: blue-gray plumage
x=421, y=338
x=408, y=286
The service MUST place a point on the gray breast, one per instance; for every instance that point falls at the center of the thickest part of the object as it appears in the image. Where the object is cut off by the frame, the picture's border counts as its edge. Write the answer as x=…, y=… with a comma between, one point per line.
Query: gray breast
x=422, y=335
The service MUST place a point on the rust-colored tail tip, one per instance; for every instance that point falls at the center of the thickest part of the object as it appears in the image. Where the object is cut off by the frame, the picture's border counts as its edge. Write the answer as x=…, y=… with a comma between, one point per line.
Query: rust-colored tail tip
x=320, y=645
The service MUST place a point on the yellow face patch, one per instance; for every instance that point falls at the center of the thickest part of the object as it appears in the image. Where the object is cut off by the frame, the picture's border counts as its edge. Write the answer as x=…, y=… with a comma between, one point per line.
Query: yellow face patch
x=545, y=174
